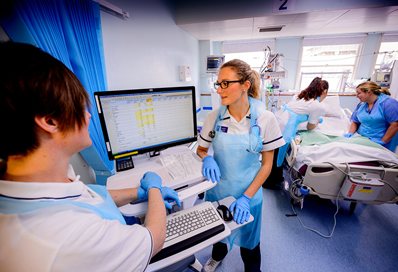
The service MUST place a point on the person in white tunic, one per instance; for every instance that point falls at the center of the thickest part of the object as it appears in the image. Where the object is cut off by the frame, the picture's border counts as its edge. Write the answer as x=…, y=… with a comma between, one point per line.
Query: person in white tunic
x=49, y=219
x=304, y=112
x=308, y=102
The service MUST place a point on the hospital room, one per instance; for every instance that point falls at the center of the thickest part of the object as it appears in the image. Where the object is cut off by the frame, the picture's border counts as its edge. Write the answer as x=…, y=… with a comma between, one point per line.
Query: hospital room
x=182, y=136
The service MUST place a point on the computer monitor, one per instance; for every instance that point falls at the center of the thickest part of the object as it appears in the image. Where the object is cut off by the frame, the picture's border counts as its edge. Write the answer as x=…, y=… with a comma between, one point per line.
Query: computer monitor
x=146, y=120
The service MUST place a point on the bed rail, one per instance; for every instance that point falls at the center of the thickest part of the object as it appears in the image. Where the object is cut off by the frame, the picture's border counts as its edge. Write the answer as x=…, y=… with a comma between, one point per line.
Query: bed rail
x=325, y=180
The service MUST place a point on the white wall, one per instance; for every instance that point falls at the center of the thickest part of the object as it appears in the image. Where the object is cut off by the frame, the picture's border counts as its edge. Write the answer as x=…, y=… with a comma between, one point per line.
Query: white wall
x=147, y=49
x=290, y=48
x=144, y=51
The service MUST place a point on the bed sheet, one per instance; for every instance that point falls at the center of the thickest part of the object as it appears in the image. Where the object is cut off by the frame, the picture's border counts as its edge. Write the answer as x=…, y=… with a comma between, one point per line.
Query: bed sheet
x=318, y=147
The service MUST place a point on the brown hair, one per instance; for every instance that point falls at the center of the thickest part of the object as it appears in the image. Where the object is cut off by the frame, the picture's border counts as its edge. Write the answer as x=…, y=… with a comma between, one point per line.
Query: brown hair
x=370, y=86
x=315, y=89
x=35, y=84
x=244, y=71
x=385, y=90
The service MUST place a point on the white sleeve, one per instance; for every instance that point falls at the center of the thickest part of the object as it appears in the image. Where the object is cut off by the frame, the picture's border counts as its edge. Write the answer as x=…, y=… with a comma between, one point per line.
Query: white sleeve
x=270, y=131
x=316, y=110
x=104, y=245
x=204, y=140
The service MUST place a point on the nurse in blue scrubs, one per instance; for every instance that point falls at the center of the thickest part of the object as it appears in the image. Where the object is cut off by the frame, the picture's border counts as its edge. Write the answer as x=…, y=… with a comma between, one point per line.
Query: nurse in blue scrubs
x=240, y=132
x=376, y=116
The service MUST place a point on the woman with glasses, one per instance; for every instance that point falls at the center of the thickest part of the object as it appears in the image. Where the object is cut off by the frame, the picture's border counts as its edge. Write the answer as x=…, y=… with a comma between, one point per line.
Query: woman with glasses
x=239, y=131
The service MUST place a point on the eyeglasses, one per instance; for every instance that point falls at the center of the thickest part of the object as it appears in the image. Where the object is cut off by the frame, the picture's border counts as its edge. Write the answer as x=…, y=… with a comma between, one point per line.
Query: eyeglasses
x=225, y=83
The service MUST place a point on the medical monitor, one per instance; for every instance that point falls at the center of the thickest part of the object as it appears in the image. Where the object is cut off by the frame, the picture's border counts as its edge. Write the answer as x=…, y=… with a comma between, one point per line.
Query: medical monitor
x=147, y=120
x=214, y=63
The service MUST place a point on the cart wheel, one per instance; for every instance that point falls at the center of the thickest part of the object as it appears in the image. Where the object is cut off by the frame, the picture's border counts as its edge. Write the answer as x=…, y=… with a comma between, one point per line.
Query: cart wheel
x=353, y=205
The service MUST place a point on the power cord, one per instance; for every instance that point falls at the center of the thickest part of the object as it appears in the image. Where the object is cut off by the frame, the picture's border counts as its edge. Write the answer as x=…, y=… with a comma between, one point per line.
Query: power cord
x=317, y=231
x=293, y=193
x=297, y=183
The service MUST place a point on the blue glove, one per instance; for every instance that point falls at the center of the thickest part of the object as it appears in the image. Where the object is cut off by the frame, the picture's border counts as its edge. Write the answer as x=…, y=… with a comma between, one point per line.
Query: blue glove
x=241, y=209
x=348, y=135
x=210, y=169
x=169, y=196
x=141, y=194
x=320, y=120
x=378, y=141
x=301, y=118
x=150, y=180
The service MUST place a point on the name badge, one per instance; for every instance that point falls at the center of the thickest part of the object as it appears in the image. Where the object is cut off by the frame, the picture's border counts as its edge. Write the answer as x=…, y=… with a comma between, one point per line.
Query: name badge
x=224, y=129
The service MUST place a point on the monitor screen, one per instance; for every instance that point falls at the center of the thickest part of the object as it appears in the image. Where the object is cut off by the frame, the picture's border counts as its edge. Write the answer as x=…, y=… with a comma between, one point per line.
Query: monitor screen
x=214, y=63
x=382, y=76
x=139, y=121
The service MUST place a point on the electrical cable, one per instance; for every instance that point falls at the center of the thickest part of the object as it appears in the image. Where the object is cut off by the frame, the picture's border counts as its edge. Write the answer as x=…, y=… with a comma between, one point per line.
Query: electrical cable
x=334, y=215
x=295, y=186
x=317, y=231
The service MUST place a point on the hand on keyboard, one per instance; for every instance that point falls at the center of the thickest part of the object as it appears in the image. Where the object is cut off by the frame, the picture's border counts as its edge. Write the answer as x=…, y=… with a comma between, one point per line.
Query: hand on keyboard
x=190, y=227
x=169, y=196
x=141, y=194
x=151, y=180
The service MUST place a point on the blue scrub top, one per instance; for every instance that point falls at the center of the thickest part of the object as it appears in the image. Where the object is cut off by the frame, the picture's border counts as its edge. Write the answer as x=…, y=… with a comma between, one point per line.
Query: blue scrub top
x=375, y=122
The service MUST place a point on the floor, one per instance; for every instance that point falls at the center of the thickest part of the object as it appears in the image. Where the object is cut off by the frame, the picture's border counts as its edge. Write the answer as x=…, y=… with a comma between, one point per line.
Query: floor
x=366, y=240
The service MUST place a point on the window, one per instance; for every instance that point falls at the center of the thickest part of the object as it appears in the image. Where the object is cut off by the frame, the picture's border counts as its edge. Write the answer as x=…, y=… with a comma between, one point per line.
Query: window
x=388, y=52
x=252, y=52
x=334, y=63
x=254, y=59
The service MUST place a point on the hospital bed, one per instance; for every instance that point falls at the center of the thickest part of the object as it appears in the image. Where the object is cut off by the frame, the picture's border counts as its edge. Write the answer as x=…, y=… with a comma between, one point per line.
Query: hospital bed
x=323, y=163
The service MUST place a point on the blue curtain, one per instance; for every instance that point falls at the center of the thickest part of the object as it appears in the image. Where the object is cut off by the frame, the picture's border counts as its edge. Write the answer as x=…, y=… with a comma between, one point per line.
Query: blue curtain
x=69, y=30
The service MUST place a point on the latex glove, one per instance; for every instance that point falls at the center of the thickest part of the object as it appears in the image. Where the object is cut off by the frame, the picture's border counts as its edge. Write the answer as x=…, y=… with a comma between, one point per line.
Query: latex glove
x=151, y=180
x=169, y=196
x=141, y=194
x=378, y=141
x=320, y=120
x=241, y=209
x=210, y=169
x=348, y=135
x=301, y=118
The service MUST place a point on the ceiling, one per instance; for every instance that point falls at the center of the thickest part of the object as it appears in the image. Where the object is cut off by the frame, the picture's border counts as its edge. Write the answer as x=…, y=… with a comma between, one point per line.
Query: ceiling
x=206, y=26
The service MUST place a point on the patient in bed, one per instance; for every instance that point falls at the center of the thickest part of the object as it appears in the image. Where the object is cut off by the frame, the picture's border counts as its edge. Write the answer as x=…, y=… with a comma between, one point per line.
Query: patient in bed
x=326, y=143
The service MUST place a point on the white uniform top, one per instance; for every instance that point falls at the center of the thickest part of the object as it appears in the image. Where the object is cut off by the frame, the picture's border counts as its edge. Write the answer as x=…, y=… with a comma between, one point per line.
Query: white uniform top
x=313, y=108
x=269, y=128
x=68, y=238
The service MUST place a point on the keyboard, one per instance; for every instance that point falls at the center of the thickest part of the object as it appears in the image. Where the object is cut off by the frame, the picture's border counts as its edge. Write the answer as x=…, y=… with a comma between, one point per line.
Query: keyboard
x=189, y=227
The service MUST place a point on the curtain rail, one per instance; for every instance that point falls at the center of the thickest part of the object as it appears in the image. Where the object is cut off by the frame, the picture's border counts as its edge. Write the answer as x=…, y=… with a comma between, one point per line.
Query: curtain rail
x=112, y=9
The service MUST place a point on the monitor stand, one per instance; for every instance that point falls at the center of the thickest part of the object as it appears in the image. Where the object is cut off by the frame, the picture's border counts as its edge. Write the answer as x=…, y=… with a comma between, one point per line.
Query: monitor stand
x=125, y=163
x=154, y=153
